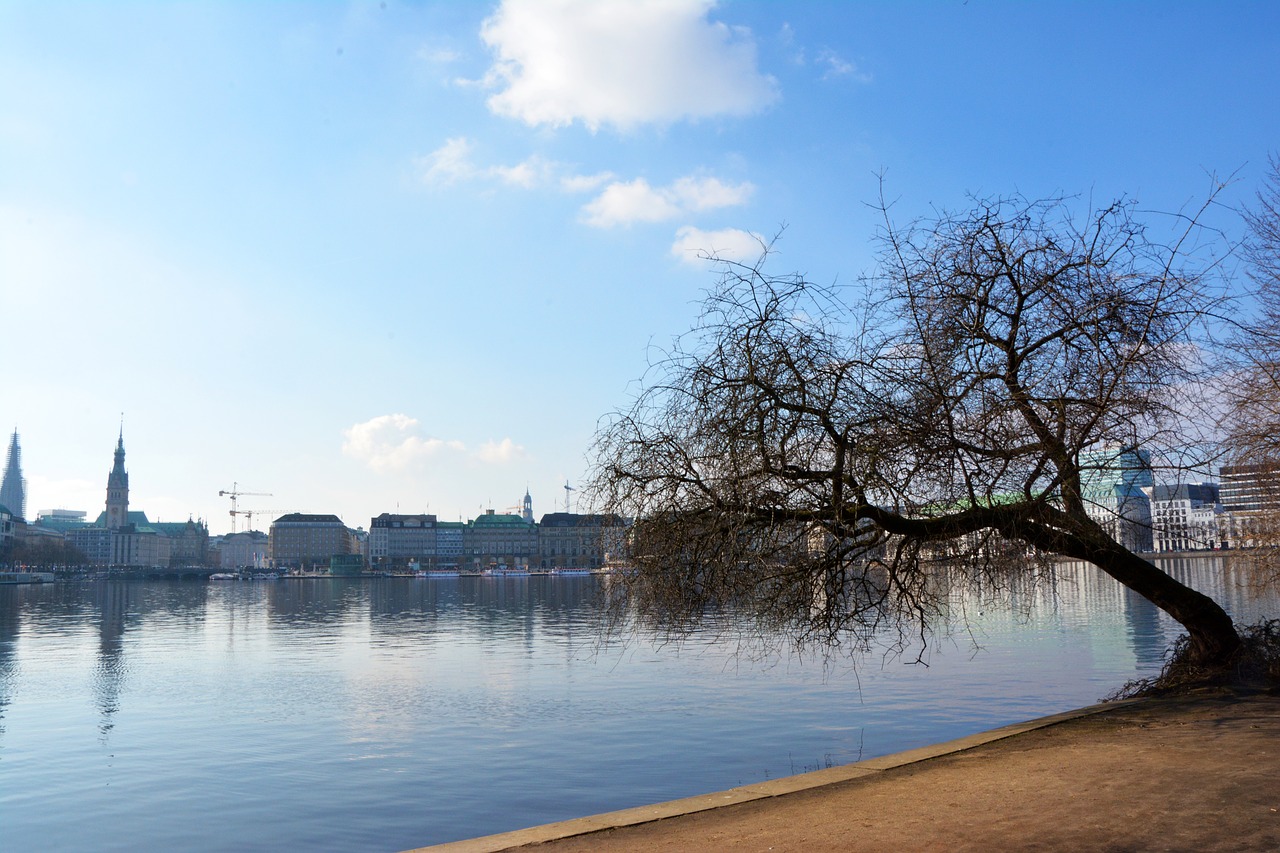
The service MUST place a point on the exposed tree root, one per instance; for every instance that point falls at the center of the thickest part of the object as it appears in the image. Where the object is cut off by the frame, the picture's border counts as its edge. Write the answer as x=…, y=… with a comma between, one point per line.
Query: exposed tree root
x=1255, y=666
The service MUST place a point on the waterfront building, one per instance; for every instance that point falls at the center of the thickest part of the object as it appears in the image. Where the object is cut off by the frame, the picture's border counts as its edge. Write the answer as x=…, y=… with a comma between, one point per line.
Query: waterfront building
x=569, y=540
x=1112, y=481
x=1251, y=495
x=124, y=537
x=13, y=488
x=189, y=541
x=1186, y=517
x=139, y=545
x=303, y=540
x=346, y=565
x=92, y=541
x=397, y=540
x=1250, y=488
x=117, y=513
x=61, y=520
x=449, y=536
x=6, y=528
x=245, y=550
x=499, y=539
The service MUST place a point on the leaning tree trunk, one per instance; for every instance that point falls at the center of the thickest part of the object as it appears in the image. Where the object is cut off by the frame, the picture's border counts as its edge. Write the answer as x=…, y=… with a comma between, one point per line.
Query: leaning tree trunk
x=1213, y=635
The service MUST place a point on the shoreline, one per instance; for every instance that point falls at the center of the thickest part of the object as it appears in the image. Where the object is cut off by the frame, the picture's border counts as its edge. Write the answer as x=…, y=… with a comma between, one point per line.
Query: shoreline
x=1074, y=745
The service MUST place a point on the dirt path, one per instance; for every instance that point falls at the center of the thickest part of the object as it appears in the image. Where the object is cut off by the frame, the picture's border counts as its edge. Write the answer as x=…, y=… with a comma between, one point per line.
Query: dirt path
x=1194, y=774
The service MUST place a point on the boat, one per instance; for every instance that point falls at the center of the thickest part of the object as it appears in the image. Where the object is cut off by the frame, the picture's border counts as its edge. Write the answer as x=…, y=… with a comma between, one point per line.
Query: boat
x=27, y=577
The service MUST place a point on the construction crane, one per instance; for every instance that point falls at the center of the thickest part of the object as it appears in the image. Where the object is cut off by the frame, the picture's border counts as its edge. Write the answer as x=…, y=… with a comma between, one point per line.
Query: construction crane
x=250, y=513
x=234, y=493
x=567, y=490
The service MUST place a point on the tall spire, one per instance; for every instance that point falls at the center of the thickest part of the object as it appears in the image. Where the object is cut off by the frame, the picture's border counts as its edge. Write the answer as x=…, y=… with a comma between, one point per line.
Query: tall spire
x=118, y=487
x=13, y=489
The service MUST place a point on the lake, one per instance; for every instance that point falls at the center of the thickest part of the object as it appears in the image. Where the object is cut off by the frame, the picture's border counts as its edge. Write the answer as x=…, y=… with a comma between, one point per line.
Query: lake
x=392, y=713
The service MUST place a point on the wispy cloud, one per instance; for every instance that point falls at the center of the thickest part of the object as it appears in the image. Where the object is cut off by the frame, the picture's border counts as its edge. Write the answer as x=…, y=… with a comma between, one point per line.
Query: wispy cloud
x=838, y=66
x=624, y=203
x=696, y=246
x=621, y=63
x=448, y=164
x=453, y=163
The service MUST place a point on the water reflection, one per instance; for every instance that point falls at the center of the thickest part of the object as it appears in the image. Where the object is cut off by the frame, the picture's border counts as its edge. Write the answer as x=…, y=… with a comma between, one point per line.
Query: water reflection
x=390, y=713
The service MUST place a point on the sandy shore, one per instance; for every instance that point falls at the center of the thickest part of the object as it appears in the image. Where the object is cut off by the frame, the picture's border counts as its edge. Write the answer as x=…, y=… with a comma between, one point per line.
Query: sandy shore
x=1199, y=773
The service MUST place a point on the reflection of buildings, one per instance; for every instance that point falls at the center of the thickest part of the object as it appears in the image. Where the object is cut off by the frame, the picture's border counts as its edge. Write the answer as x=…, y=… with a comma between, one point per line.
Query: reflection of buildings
x=113, y=600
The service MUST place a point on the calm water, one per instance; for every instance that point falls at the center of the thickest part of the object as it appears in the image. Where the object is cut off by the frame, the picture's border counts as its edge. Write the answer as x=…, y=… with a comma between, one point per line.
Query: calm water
x=388, y=714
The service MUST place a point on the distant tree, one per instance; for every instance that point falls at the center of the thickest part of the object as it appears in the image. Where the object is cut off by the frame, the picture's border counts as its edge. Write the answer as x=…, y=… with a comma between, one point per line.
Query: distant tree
x=43, y=553
x=816, y=456
x=1253, y=422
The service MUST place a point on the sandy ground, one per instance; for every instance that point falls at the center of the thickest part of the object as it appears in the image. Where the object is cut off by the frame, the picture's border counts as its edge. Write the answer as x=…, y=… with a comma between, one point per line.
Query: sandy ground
x=1192, y=774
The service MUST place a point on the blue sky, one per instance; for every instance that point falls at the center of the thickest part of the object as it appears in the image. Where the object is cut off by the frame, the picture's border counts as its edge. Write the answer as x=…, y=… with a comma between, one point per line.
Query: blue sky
x=402, y=256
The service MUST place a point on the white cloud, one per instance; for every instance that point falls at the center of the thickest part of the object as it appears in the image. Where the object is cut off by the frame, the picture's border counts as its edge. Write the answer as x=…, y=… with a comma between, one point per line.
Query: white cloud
x=533, y=172
x=396, y=442
x=837, y=66
x=584, y=183
x=452, y=163
x=500, y=451
x=392, y=442
x=449, y=163
x=710, y=193
x=695, y=246
x=620, y=63
x=636, y=201
x=624, y=203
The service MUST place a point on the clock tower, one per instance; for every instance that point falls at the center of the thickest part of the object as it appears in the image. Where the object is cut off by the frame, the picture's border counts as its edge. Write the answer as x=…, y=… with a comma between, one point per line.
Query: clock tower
x=118, y=490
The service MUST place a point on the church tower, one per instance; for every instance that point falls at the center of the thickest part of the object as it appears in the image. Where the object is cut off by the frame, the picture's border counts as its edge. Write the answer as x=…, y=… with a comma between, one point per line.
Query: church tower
x=118, y=490
x=13, y=489
x=527, y=513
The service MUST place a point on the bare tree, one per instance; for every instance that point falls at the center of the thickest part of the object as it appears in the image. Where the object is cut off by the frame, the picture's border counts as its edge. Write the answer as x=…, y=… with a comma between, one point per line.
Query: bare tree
x=817, y=456
x=1253, y=422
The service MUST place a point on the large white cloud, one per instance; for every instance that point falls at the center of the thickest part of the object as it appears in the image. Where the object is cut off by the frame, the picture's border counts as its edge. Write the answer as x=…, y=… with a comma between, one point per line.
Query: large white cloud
x=392, y=443
x=620, y=62
x=500, y=451
x=396, y=442
x=695, y=246
x=622, y=203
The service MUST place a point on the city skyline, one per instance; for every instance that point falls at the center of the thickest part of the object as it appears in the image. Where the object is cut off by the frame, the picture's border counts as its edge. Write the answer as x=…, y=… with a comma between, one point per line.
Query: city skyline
x=379, y=256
